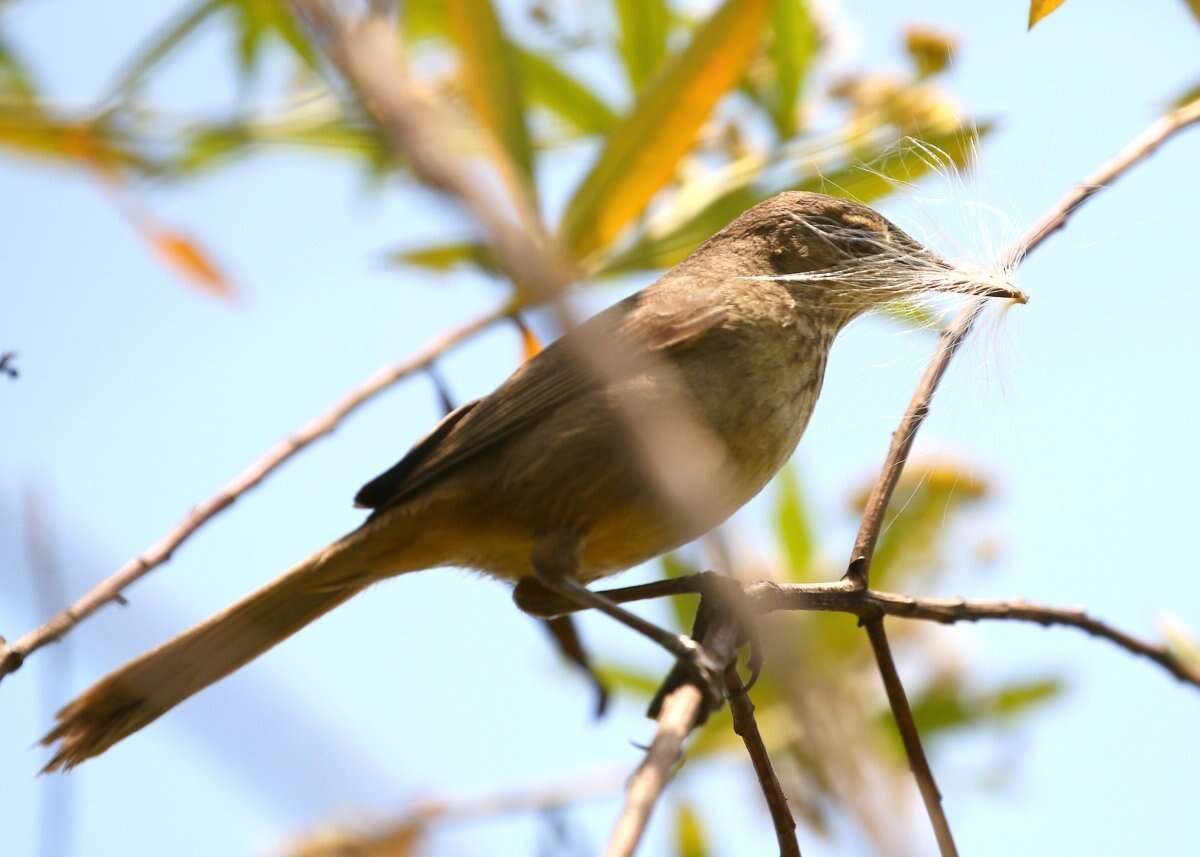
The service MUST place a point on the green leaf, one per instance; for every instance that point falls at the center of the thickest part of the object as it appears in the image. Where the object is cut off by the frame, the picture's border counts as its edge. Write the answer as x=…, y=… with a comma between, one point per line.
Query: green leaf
x=794, y=44
x=891, y=167
x=257, y=21
x=548, y=86
x=944, y=706
x=794, y=527
x=643, y=38
x=641, y=153
x=446, y=257
x=1039, y=9
x=629, y=680
x=491, y=77
x=683, y=607
x=422, y=19
x=690, y=840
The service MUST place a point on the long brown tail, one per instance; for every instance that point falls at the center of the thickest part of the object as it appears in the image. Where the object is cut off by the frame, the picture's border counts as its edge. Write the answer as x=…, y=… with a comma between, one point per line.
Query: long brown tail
x=146, y=688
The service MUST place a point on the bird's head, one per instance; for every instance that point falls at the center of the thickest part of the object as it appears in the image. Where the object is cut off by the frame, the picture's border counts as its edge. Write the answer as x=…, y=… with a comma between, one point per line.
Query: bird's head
x=847, y=257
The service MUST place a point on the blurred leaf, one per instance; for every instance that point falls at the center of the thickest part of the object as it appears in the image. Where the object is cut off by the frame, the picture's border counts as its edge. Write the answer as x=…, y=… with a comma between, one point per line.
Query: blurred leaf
x=92, y=145
x=187, y=258
x=643, y=38
x=16, y=85
x=491, y=77
x=445, y=257
x=422, y=19
x=1039, y=9
x=931, y=50
x=400, y=840
x=259, y=20
x=690, y=840
x=163, y=43
x=552, y=88
x=794, y=45
x=945, y=706
x=928, y=496
x=629, y=681
x=683, y=607
x=890, y=168
x=1194, y=5
x=1190, y=95
x=793, y=525
x=210, y=145
x=642, y=152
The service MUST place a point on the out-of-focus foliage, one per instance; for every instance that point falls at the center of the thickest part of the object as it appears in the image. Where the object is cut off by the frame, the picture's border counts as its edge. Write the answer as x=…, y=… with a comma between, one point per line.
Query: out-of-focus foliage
x=402, y=840
x=819, y=703
x=715, y=113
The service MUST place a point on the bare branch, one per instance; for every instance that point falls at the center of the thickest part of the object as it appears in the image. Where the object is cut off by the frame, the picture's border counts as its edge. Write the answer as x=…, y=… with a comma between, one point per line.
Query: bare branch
x=6, y=364
x=746, y=726
x=110, y=590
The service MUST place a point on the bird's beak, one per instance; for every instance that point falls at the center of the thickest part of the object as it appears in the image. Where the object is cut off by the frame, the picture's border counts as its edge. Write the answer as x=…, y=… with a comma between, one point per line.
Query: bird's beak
x=978, y=282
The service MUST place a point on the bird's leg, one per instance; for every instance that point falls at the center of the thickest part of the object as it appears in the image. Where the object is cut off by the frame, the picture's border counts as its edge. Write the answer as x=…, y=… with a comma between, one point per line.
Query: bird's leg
x=555, y=562
x=536, y=599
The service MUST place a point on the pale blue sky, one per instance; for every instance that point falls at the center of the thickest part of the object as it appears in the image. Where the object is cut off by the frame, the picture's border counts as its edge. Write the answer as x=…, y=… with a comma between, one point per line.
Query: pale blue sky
x=139, y=397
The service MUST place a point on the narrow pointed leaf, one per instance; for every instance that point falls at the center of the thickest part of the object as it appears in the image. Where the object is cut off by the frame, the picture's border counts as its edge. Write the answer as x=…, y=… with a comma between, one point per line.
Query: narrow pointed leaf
x=491, y=77
x=1039, y=9
x=794, y=527
x=888, y=171
x=188, y=259
x=445, y=257
x=683, y=607
x=162, y=44
x=794, y=45
x=644, y=25
x=550, y=87
x=642, y=152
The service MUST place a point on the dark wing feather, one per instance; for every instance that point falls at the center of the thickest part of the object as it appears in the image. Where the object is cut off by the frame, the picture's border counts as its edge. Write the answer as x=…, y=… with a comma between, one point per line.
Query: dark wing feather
x=535, y=389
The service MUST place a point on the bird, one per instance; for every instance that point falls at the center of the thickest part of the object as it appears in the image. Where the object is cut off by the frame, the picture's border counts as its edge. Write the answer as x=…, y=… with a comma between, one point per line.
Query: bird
x=547, y=479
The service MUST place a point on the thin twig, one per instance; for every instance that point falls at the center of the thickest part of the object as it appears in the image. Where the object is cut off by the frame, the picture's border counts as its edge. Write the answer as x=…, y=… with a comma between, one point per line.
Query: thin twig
x=902, y=440
x=110, y=590
x=767, y=596
x=682, y=710
x=6, y=364
x=746, y=726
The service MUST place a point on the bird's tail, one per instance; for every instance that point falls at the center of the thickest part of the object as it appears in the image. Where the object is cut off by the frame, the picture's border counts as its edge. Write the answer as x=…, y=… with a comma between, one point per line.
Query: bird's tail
x=146, y=688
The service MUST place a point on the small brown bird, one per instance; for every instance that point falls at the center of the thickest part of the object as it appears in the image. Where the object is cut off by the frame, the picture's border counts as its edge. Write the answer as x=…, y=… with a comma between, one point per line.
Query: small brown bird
x=541, y=479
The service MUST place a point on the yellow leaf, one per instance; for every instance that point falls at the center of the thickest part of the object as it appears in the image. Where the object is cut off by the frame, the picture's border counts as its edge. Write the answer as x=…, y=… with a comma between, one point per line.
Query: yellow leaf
x=641, y=153
x=1039, y=9
x=1194, y=5
x=491, y=77
x=188, y=259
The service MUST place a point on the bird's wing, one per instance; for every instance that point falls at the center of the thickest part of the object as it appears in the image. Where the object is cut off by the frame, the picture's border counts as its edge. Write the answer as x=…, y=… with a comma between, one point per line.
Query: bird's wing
x=534, y=390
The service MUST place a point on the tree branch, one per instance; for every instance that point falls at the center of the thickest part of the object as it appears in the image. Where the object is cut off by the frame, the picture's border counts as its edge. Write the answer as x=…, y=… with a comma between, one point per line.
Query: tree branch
x=951, y=339
x=746, y=726
x=110, y=590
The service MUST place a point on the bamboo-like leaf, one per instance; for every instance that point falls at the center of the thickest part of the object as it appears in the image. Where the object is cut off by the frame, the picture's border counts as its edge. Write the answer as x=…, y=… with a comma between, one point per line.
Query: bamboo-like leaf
x=642, y=152
x=945, y=706
x=445, y=257
x=644, y=25
x=1194, y=5
x=549, y=86
x=794, y=45
x=256, y=20
x=888, y=169
x=1039, y=9
x=491, y=77
x=794, y=527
